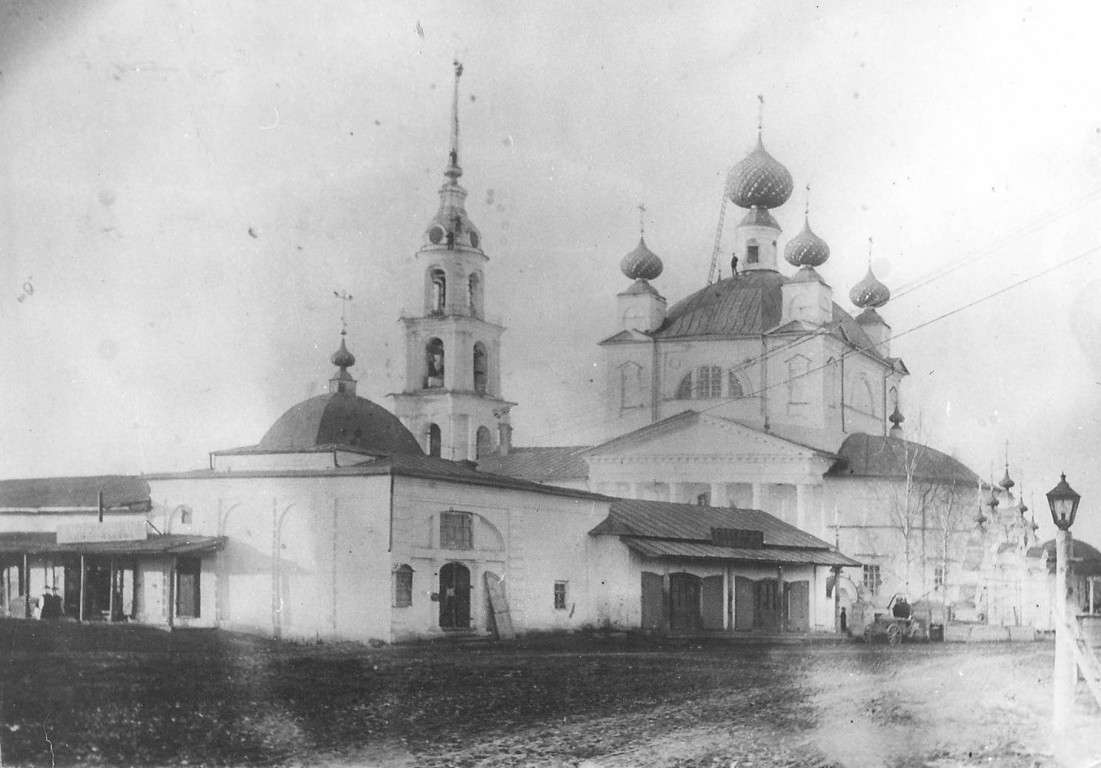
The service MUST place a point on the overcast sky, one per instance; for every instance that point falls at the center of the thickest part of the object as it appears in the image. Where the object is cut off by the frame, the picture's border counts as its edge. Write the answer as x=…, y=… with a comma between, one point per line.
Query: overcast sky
x=183, y=186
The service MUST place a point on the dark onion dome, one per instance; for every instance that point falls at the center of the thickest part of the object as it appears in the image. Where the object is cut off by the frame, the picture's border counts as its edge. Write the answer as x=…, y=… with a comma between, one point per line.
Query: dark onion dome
x=342, y=358
x=806, y=249
x=641, y=263
x=869, y=292
x=748, y=305
x=758, y=181
x=1007, y=481
x=340, y=419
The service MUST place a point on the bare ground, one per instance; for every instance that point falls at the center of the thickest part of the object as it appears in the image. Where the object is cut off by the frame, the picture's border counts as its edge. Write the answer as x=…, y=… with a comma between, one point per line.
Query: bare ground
x=72, y=695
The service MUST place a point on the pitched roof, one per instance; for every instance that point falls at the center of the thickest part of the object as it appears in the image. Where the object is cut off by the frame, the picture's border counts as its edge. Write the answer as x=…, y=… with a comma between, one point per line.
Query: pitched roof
x=864, y=455
x=539, y=464
x=19, y=542
x=74, y=493
x=662, y=528
x=400, y=464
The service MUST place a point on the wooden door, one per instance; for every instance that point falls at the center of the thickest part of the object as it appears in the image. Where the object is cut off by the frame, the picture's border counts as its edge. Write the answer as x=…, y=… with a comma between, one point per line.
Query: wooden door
x=455, y=596
x=711, y=602
x=744, y=597
x=768, y=605
x=684, y=602
x=188, y=574
x=653, y=601
x=797, y=594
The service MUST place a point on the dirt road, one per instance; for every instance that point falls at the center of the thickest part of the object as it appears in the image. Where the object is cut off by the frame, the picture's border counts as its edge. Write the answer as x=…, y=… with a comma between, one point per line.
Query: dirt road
x=73, y=695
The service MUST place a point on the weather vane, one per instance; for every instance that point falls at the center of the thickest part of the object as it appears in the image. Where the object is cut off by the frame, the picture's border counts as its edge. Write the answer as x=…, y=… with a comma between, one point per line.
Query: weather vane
x=345, y=298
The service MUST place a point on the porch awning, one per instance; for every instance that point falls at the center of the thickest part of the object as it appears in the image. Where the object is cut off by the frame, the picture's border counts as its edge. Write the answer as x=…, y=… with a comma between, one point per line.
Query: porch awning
x=45, y=543
x=702, y=551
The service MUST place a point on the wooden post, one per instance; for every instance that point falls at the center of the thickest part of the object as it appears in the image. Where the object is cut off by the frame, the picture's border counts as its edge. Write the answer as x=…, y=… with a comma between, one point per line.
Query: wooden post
x=783, y=601
x=80, y=614
x=111, y=590
x=836, y=598
x=26, y=588
x=171, y=607
x=1064, y=673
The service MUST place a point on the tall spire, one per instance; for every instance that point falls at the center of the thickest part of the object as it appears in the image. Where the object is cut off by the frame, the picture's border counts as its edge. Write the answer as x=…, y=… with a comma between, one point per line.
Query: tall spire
x=454, y=170
x=342, y=381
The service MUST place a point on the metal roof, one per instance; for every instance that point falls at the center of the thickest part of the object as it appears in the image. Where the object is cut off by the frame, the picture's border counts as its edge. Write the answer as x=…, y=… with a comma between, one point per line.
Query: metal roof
x=74, y=493
x=865, y=455
x=37, y=543
x=699, y=551
x=549, y=463
x=340, y=419
x=689, y=522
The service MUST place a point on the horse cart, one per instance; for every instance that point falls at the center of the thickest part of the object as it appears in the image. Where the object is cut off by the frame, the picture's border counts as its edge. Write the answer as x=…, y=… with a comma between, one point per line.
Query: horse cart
x=897, y=625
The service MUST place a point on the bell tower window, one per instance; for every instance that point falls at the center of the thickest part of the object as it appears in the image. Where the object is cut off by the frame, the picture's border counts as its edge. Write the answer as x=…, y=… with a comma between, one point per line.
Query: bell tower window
x=438, y=299
x=433, y=353
x=752, y=253
x=475, y=286
x=483, y=443
x=434, y=440
x=481, y=367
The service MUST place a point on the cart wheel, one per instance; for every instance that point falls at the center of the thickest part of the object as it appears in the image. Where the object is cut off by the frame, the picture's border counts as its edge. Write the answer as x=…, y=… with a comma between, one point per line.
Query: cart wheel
x=894, y=634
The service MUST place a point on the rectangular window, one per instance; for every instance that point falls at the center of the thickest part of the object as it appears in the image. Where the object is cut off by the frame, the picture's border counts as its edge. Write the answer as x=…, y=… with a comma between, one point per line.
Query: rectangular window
x=751, y=255
x=704, y=499
x=403, y=586
x=938, y=576
x=560, y=595
x=872, y=579
x=456, y=530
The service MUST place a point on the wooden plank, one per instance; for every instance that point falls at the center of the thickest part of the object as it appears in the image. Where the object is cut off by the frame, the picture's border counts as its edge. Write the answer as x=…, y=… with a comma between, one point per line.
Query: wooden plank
x=498, y=606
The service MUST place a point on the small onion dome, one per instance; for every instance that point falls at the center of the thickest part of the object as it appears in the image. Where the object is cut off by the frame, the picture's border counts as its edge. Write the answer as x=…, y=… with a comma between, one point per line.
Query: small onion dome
x=1007, y=481
x=806, y=249
x=896, y=417
x=758, y=181
x=1033, y=524
x=641, y=263
x=979, y=518
x=342, y=358
x=869, y=292
x=1024, y=508
x=992, y=502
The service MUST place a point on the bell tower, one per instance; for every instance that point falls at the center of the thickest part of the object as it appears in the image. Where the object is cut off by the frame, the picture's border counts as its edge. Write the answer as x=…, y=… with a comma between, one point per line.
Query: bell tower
x=452, y=396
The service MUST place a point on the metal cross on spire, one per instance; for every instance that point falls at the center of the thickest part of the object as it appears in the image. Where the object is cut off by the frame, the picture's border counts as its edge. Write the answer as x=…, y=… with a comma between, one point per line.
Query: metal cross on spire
x=806, y=210
x=641, y=219
x=345, y=299
x=453, y=169
x=869, y=252
x=760, y=113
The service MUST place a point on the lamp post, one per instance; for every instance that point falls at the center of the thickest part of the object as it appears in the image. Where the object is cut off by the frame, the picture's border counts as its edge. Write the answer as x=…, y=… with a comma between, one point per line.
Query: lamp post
x=1063, y=502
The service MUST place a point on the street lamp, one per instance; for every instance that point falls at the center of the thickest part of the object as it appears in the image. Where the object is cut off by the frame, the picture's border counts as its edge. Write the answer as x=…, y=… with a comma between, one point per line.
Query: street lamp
x=1063, y=502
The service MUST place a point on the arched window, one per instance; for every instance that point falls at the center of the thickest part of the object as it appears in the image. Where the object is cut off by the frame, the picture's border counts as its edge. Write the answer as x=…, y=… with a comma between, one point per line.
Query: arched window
x=433, y=353
x=484, y=443
x=709, y=382
x=684, y=389
x=439, y=292
x=831, y=383
x=434, y=440
x=798, y=368
x=475, y=295
x=734, y=386
x=481, y=367
x=630, y=385
x=403, y=586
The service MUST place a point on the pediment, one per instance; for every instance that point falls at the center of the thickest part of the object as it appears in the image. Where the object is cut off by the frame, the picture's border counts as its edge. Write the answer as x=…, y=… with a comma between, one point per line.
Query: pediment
x=694, y=434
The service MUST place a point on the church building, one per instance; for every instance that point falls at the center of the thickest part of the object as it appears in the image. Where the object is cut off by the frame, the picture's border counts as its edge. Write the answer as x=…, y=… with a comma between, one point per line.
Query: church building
x=347, y=521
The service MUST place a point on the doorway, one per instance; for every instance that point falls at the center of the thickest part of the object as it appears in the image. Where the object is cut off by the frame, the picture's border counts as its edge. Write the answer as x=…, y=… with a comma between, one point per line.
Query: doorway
x=684, y=602
x=454, y=596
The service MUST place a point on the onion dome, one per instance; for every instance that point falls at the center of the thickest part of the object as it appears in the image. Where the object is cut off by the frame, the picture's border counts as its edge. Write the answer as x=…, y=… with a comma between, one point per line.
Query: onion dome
x=342, y=358
x=641, y=263
x=806, y=249
x=896, y=418
x=1007, y=481
x=992, y=502
x=869, y=292
x=759, y=181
